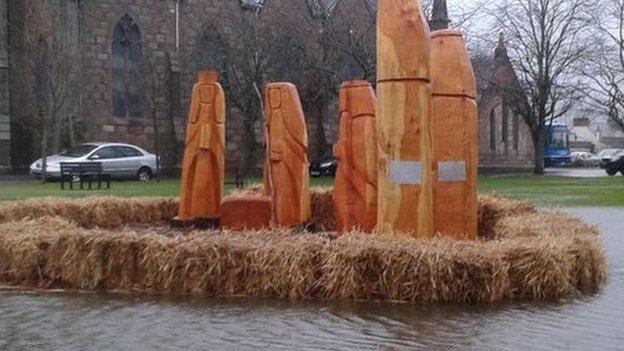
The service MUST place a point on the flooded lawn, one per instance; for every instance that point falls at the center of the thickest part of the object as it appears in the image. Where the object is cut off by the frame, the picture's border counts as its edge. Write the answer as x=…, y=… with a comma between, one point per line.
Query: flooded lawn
x=30, y=321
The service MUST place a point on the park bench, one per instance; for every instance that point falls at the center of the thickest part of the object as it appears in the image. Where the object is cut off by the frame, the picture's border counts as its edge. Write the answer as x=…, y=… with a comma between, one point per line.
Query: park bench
x=85, y=172
x=234, y=177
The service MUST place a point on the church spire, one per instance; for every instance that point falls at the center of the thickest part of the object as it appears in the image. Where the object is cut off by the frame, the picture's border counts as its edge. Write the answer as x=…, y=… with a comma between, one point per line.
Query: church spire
x=439, y=15
x=501, y=49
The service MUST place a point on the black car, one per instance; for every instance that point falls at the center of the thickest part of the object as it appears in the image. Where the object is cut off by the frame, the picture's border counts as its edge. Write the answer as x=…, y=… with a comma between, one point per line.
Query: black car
x=614, y=166
x=325, y=167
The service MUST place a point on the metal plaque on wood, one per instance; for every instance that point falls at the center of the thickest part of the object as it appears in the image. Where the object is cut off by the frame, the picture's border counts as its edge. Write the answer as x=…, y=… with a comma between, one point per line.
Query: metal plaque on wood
x=406, y=172
x=452, y=171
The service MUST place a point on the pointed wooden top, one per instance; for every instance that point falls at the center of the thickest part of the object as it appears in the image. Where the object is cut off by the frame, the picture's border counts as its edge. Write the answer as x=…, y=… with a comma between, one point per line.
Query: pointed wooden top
x=451, y=69
x=403, y=42
x=208, y=76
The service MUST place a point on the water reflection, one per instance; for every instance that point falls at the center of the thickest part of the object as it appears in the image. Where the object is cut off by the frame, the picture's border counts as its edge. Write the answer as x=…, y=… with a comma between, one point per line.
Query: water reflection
x=102, y=322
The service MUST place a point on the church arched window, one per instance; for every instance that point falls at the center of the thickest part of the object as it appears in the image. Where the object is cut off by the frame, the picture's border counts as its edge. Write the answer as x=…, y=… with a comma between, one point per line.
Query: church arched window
x=127, y=69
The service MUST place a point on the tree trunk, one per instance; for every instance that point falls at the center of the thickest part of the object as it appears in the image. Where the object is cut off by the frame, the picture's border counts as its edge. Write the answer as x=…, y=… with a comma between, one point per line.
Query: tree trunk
x=156, y=144
x=321, y=138
x=57, y=130
x=44, y=152
x=539, y=141
x=71, y=131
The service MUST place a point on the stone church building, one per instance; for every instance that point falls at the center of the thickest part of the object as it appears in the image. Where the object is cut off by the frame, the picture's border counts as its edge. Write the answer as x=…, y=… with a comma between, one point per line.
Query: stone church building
x=505, y=143
x=108, y=47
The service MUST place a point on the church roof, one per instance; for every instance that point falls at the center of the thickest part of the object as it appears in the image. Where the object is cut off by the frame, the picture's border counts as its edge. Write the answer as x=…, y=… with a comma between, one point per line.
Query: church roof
x=496, y=74
x=504, y=74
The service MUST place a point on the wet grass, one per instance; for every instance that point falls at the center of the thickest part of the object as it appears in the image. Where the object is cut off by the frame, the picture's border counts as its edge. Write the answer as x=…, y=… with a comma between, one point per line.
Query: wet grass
x=558, y=191
x=544, y=191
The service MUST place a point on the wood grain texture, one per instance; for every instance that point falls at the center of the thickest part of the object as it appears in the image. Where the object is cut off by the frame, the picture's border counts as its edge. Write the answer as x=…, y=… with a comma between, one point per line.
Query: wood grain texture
x=246, y=212
x=455, y=128
x=355, y=186
x=403, y=119
x=287, y=160
x=203, y=165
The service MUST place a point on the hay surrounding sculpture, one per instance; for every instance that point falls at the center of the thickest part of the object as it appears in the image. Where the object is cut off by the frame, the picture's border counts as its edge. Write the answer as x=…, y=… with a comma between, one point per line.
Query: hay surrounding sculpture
x=125, y=245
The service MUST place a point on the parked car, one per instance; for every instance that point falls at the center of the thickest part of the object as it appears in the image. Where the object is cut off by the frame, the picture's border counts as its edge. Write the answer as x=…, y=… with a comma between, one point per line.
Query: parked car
x=615, y=165
x=609, y=155
x=584, y=159
x=325, y=167
x=118, y=160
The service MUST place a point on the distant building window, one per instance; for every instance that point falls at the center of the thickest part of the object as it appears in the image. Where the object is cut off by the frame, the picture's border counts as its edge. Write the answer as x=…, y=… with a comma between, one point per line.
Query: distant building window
x=255, y=5
x=505, y=123
x=127, y=69
x=492, y=130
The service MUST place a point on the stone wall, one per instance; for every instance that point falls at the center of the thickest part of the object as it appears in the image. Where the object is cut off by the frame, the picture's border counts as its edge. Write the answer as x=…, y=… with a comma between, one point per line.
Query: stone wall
x=98, y=21
x=515, y=151
x=5, y=121
x=156, y=21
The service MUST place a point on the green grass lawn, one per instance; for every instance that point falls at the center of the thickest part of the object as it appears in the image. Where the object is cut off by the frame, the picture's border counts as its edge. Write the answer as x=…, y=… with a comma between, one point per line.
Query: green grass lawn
x=545, y=191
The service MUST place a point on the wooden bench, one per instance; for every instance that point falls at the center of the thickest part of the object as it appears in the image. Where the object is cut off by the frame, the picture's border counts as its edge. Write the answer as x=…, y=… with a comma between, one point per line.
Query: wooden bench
x=234, y=177
x=86, y=172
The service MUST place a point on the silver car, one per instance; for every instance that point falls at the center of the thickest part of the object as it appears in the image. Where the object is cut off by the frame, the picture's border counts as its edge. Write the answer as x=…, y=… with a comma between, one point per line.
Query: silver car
x=118, y=160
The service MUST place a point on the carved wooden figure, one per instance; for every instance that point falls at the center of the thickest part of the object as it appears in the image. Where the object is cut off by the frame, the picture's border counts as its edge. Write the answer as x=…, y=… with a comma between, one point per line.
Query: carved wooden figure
x=203, y=164
x=286, y=169
x=355, y=189
x=455, y=131
x=403, y=119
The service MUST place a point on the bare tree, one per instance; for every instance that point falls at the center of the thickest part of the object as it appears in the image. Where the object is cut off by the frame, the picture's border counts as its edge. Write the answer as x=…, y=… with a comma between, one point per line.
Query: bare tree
x=604, y=70
x=547, y=42
x=53, y=89
x=336, y=45
x=44, y=80
x=155, y=86
x=250, y=52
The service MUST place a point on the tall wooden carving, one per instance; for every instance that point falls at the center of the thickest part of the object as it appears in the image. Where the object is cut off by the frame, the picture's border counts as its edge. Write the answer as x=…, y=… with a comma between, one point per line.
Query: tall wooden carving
x=286, y=170
x=403, y=119
x=203, y=164
x=455, y=127
x=355, y=189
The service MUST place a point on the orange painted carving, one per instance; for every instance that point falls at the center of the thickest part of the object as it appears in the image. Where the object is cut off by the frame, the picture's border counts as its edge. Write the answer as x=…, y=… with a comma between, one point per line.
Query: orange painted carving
x=404, y=119
x=286, y=169
x=455, y=127
x=246, y=212
x=355, y=189
x=203, y=164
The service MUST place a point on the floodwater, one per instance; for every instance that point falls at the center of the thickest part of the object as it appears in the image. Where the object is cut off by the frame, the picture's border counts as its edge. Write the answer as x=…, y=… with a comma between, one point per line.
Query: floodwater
x=112, y=322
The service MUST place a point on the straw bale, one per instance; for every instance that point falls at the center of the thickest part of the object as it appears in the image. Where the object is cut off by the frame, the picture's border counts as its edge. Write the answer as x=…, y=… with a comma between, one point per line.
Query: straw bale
x=322, y=204
x=493, y=207
x=91, y=212
x=74, y=244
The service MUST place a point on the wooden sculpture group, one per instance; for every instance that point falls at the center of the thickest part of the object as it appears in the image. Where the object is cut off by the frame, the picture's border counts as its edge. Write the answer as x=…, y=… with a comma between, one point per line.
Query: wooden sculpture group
x=407, y=159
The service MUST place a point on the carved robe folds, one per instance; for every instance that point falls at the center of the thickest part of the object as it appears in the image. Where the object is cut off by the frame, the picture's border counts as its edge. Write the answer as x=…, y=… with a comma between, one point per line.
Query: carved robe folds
x=203, y=164
x=455, y=126
x=286, y=169
x=404, y=119
x=355, y=190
